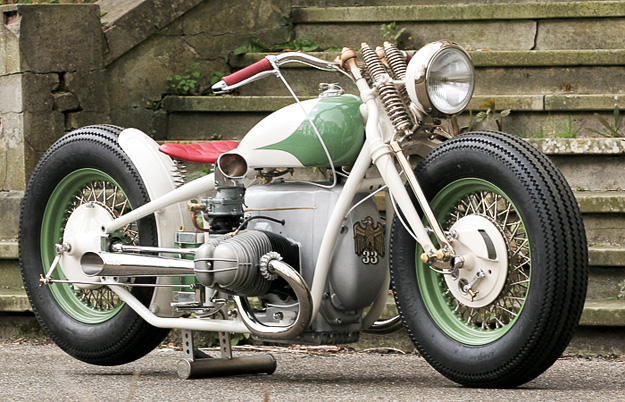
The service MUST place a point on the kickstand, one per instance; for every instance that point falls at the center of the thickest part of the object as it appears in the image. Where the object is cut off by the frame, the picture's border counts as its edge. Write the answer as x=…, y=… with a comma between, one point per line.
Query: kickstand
x=197, y=364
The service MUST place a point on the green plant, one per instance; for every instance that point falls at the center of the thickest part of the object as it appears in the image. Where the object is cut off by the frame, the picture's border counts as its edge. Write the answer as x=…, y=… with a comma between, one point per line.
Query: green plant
x=154, y=104
x=258, y=46
x=390, y=32
x=567, y=129
x=217, y=76
x=490, y=113
x=621, y=293
x=610, y=130
x=185, y=83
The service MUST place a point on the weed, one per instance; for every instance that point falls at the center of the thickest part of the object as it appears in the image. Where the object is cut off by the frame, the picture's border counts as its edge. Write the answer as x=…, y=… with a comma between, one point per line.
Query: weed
x=186, y=83
x=217, y=76
x=390, y=32
x=154, y=104
x=258, y=46
x=610, y=130
x=567, y=129
x=490, y=113
x=396, y=36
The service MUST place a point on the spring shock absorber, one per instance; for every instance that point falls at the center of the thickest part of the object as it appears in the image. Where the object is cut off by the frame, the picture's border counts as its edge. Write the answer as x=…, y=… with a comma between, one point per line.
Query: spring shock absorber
x=397, y=62
x=388, y=93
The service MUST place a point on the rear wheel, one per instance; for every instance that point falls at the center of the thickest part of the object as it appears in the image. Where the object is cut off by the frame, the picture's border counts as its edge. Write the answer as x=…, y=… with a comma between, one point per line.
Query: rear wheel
x=511, y=310
x=85, y=179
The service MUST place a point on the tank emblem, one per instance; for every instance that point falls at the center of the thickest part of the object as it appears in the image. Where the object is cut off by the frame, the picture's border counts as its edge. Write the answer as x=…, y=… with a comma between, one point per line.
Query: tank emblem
x=369, y=240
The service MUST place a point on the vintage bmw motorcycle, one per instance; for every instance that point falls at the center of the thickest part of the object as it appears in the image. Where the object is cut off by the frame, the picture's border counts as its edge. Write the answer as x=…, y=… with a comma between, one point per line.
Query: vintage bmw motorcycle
x=482, y=244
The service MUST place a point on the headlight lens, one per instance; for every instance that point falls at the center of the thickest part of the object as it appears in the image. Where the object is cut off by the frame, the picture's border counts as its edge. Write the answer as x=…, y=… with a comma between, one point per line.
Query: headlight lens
x=450, y=81
x=440, y=79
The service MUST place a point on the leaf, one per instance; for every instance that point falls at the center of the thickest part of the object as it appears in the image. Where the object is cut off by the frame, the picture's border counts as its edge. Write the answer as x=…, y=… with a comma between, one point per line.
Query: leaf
x=195, y=74
x=334, y=49
x=247, y=49
x=603, y=121
x=258, y=43
x=195, y=65
x=505, y=112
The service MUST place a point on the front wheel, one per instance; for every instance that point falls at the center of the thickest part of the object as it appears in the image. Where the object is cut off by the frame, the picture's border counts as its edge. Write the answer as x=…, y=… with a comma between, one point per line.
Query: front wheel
x=511, y=310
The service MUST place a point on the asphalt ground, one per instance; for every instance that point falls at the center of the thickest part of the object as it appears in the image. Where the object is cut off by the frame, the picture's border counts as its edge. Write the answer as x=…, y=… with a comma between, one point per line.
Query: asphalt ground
x=40, y=371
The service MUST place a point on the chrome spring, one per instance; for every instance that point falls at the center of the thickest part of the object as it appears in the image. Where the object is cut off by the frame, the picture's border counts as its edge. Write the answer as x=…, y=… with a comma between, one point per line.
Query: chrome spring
x=391, y=98
x=178, y=172
x=397, y=63
x=396, y=60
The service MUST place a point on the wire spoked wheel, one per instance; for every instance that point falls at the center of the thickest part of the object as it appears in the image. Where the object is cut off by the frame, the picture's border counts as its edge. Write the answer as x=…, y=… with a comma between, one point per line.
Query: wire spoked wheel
x=90, y=189
x=510, y=310
x=82, y=182
x=474, y=319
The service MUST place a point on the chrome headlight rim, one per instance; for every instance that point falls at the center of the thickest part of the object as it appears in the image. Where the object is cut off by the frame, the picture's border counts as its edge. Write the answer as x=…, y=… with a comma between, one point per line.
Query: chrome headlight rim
x=418, y=74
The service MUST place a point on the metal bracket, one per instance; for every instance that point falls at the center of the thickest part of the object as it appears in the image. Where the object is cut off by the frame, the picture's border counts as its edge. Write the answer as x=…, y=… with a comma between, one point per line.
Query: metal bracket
x=197, y=364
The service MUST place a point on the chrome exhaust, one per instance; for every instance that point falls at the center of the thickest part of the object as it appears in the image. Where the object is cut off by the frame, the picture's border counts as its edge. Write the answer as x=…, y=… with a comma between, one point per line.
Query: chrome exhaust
x=132, y=265
x=304, y=298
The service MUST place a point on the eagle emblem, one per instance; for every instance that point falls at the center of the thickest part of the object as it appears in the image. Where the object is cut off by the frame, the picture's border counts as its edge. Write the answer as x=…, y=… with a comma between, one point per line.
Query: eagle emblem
x=369, y=240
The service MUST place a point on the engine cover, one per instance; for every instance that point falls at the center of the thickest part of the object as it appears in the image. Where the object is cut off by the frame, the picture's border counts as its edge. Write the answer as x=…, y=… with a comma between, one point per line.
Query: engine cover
x=359, y=263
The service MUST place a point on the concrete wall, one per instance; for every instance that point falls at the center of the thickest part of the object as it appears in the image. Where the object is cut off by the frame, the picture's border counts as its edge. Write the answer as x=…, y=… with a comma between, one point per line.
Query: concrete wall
x=52, y=79
x=206, y=33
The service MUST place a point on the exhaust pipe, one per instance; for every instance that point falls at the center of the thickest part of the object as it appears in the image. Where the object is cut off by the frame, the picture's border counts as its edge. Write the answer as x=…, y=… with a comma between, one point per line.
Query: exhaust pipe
x=132, y=265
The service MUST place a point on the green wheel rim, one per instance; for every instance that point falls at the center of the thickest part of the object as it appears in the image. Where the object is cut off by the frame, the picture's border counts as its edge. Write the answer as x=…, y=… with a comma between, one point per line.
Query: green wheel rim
x=478, y=326
x=90, y=306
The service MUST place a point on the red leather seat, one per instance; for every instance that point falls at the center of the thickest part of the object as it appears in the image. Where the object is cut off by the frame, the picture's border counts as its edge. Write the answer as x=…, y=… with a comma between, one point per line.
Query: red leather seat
x=202, y=152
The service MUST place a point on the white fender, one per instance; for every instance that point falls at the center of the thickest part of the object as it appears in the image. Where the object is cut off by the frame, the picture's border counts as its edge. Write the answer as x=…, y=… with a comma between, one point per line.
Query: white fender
x=154, y=167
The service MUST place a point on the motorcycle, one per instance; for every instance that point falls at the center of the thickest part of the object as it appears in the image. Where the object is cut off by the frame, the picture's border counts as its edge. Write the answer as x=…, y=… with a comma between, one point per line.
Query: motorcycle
x=482, y=243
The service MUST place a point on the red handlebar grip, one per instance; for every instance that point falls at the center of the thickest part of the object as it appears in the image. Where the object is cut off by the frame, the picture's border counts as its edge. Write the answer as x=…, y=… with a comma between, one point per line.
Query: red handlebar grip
x=247, y=72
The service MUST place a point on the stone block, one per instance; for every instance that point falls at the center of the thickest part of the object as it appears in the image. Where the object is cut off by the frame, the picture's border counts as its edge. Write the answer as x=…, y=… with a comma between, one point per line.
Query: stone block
x=65, y=101
x=10, y=61
x=90, y=88
x=10, y=207
x=207, y=126
x=130, y=24
x=12, y=150
x=252, y=18
x=590, y=33
x=85, y=118
x=60, y=38
x=11, y=100
x=37, y=91
x=492, y=35
x=584, y=102
x=550, y=80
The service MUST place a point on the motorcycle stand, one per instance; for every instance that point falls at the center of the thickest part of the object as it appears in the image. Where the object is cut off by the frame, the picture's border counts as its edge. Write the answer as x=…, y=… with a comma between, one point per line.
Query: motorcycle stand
x=197, y=364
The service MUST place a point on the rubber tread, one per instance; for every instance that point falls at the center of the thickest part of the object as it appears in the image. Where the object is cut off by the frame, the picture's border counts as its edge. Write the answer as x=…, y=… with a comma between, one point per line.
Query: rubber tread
x=547, y=341
x=134, y=337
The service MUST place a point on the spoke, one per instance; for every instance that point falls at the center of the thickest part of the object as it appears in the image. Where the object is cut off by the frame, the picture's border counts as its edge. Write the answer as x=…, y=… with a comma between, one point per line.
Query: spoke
x=506, y=307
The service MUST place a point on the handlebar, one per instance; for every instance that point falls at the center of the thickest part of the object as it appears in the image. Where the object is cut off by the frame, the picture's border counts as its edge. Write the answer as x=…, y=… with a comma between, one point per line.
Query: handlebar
x=269, y=65
x=248, y=72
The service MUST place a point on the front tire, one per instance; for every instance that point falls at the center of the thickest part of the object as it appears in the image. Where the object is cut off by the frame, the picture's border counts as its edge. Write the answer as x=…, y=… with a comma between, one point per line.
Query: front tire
x=85, y=169
x=529, y=319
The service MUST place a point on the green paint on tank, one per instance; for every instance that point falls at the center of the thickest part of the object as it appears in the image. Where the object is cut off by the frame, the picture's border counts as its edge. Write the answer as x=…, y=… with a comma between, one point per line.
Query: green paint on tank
x=339, y=121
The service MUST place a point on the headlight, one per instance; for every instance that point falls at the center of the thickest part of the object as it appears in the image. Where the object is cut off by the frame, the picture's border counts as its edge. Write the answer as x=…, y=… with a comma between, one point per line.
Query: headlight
x=440, y=79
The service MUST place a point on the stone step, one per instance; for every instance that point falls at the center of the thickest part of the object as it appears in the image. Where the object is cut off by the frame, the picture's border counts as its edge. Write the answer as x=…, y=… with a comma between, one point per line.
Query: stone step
x=571, y=25
x=542, y=72
x=230, y=117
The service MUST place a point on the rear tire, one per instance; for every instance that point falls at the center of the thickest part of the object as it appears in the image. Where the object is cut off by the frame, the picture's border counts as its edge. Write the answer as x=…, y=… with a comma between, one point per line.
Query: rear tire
x=93, y=325
x=531, y=320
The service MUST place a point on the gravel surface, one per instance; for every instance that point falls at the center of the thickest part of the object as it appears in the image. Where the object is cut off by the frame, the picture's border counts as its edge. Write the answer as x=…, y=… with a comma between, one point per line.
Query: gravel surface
x=42, y=372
